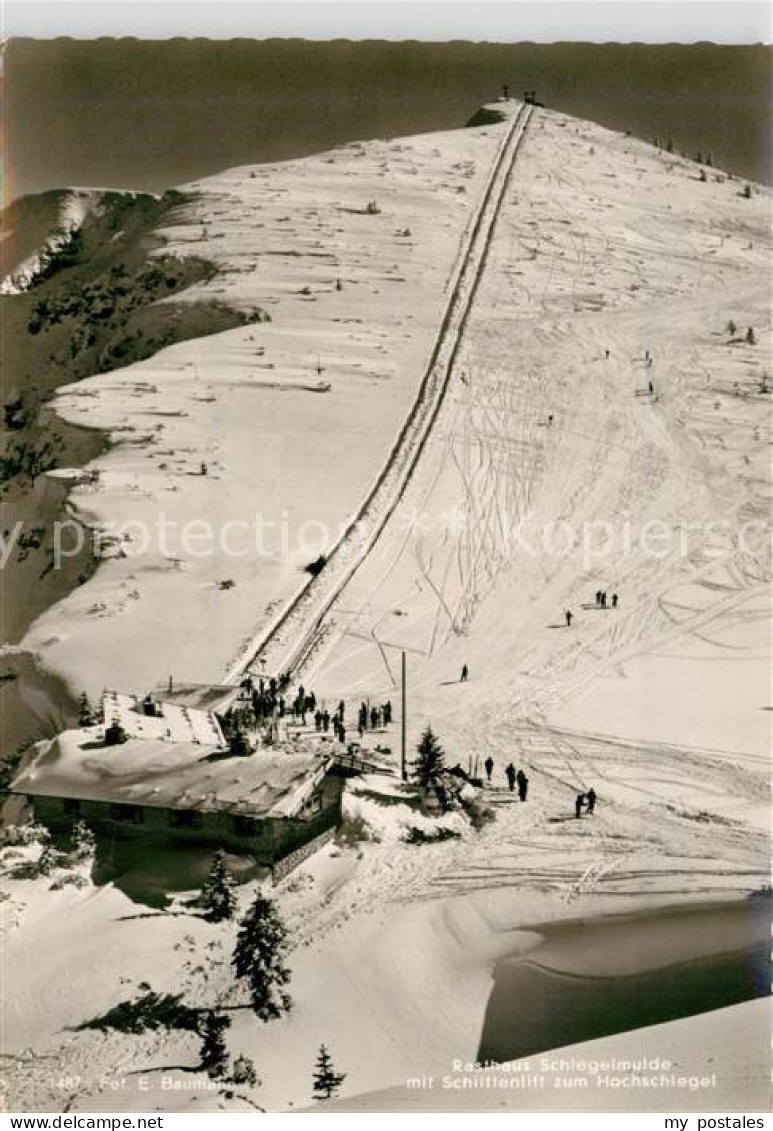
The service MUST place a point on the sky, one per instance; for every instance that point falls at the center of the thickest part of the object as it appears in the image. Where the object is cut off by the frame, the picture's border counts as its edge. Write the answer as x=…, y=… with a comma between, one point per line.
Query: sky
x=648, y=21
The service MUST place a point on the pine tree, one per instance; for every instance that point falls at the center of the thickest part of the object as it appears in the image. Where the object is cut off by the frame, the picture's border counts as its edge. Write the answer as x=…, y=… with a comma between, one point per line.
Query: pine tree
x=85, y=713
x=214, y=1052
x=244, y=1072
x=48, y=860
x=217, y=897
x=258, y=957
x=83, y=842
x=430, y=761
x=326, y=1080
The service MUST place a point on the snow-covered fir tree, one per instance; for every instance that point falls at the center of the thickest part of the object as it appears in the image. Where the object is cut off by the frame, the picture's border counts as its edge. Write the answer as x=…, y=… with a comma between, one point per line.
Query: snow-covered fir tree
x=430, y=760
x=214, y=1052
x=259, y=958
x=243, y=1072
x=326, y=1080
x=217, y=896
x=83, y=843
x=86, y=716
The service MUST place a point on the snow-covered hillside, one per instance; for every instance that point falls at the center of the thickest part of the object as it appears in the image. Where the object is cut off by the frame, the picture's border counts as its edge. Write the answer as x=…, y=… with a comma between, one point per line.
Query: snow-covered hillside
x=605, y=429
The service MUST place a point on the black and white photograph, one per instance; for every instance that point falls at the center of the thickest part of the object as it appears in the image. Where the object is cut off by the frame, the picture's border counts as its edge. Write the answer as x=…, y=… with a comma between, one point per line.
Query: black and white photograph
x=385, y=561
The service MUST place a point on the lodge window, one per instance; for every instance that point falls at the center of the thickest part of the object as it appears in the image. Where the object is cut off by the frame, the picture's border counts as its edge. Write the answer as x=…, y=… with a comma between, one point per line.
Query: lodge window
x=131, y=814
x=243, y=826
x=185, y=819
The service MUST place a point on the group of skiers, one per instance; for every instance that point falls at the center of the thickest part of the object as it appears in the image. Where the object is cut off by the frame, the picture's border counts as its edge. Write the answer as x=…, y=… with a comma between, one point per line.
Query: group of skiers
x=377, y=717
x=585, y=801
x=518, y=779
x=268, y=703
x=601, y=603
x=267, y=698
x=514, y=777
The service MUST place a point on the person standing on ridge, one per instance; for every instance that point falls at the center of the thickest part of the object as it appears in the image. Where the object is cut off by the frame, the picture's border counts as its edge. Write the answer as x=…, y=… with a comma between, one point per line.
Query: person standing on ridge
x=465, y=674
x=523, y=785
x=510, y=775
x=591, y=799
x=568, y=614
x=579, y=801
x=489, y=767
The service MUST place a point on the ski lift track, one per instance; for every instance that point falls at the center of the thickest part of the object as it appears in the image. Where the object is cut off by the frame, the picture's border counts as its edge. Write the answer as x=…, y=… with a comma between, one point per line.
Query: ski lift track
x=287, y=642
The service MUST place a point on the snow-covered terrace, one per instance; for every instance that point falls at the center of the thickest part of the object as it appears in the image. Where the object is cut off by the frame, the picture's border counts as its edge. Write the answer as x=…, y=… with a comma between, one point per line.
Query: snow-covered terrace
x=174, y=723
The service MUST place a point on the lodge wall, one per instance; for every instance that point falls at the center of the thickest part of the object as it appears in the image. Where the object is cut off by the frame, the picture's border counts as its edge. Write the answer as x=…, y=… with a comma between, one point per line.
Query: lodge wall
x=268, y=839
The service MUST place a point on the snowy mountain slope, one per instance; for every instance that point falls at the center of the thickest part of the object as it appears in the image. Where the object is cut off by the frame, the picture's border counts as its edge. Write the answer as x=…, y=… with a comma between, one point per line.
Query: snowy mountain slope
x=292, y=418
x=603, y=244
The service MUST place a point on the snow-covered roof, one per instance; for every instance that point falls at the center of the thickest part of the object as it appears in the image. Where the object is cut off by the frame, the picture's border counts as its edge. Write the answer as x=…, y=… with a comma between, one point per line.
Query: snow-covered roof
x=168, y=775
x=176, y=723
x=200, y=696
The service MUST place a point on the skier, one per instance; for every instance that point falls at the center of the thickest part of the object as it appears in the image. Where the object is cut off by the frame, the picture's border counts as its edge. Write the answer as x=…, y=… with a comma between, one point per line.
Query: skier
x=598, y=598
x=523, y=785
x=614, y=600
x=568, y=614
x=652, y=388
x=511, y=775
x=591, y=797
x=603, y=600
x=550, y=420
x=489, y=766
x=465, y=673
x=373, y=718
x=606, y=353
x=579, y=801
